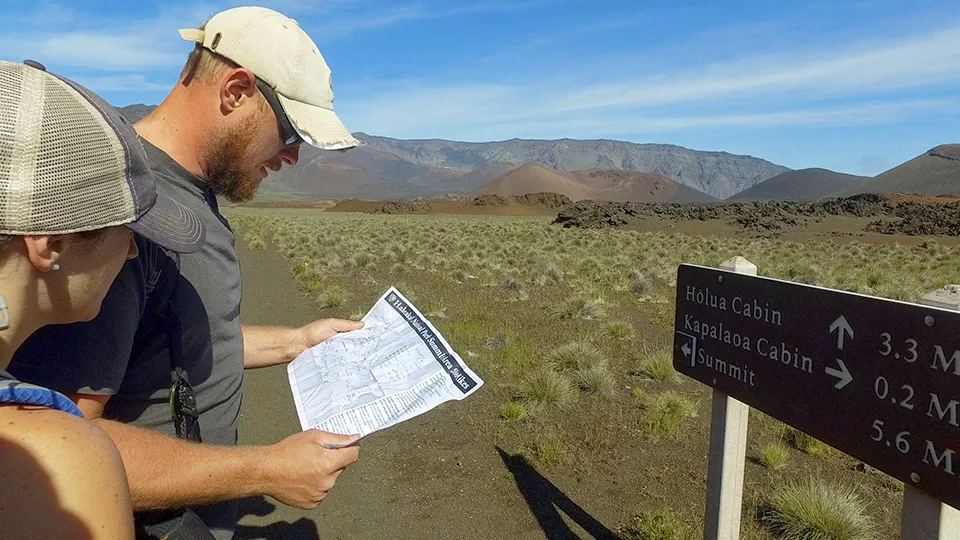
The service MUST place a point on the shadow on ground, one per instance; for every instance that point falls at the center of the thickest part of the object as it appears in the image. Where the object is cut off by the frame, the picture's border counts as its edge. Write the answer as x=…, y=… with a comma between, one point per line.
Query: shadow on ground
x=546, y=502
x=302, y=529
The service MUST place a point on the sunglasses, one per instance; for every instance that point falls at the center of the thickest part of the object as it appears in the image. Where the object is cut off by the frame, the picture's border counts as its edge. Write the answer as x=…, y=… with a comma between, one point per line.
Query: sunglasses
x=287, y=132
x=183, y=407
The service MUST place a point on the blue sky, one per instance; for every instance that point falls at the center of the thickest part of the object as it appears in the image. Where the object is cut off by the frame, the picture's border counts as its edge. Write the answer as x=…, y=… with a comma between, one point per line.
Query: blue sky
x=852, y=86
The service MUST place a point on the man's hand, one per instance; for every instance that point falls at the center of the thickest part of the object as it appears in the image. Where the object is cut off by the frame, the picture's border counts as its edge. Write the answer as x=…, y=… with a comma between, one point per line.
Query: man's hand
x=319, y=331
x=300, y=471
x=265, y=346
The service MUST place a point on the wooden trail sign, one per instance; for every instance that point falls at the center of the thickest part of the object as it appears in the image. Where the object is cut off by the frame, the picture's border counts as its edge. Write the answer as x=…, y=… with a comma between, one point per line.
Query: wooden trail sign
x=877, y=379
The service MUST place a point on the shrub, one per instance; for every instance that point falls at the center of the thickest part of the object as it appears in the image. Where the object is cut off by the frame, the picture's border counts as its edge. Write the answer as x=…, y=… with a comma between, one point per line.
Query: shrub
x=548, y=388
x=774, y=456
x=814, y=510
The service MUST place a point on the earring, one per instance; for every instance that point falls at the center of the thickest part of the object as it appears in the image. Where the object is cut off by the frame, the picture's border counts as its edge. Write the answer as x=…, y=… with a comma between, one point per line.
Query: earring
x=55, y=267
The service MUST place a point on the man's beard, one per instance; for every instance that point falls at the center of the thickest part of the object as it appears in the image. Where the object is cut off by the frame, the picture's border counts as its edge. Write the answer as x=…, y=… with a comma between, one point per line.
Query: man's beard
x=226, y=169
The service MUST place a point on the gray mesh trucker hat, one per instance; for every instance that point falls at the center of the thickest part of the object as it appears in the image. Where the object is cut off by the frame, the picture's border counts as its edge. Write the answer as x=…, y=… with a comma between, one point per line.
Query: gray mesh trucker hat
x=70, y=163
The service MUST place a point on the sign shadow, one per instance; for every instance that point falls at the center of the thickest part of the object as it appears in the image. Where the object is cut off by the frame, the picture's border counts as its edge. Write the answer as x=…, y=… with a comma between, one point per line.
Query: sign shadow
x=546, y=502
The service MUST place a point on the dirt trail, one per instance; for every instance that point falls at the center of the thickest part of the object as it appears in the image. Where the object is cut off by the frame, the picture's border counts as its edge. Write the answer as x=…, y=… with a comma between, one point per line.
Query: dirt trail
x=425, y=478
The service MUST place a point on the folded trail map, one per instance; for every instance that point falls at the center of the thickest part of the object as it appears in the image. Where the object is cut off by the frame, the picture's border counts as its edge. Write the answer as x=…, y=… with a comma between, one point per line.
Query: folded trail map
x=396, y=367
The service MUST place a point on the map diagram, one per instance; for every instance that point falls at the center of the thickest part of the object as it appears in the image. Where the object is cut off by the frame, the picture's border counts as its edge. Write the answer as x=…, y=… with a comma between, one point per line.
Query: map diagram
x=396, y=367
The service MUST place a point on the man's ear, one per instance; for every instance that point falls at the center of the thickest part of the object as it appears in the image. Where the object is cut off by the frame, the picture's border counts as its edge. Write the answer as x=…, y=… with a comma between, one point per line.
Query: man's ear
x=238, y=88
x=45, y=251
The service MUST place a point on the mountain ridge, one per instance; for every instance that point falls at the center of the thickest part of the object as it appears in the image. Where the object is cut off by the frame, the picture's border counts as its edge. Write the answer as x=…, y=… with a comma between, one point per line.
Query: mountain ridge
x=798, y=185
x=934, y=172
x=388, y=168
x=594, y=184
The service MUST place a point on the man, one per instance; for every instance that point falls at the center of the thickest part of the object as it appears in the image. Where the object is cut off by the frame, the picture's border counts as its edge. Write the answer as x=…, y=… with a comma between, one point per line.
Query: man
x=252, y=91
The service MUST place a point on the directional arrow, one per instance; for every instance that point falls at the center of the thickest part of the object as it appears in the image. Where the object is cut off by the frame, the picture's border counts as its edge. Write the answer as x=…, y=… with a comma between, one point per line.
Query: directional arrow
x=843, y=374
x=686, y=349
x=844, y=327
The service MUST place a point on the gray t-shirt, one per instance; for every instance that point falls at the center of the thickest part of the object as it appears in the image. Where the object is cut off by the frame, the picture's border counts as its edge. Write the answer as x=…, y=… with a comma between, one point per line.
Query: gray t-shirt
x=123, y=354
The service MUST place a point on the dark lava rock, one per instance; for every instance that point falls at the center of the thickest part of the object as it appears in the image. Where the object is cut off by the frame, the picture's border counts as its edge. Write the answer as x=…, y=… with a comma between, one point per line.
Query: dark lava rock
x=771, y=218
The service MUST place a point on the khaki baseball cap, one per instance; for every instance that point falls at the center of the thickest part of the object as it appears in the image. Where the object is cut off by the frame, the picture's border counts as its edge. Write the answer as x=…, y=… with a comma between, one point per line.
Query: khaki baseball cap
x=280, y=53
x=70, y=163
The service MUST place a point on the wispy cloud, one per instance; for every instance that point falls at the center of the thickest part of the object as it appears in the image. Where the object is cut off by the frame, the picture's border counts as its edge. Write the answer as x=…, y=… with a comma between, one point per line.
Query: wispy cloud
x=107, y=44
x=382, y=18
x=920, y=61
x=786, y=89
x=122, y=83
x=48, y=32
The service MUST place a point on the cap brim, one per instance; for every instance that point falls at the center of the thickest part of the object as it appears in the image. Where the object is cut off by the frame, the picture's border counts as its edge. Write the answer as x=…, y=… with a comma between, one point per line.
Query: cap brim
x=171, y=225
x=318, y=126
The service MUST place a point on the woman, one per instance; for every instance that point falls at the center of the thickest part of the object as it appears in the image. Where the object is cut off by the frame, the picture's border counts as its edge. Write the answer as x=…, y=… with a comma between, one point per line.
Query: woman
x=74, y=188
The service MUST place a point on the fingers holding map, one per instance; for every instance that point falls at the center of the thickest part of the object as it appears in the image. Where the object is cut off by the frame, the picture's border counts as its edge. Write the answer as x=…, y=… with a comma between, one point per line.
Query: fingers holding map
x=396, y=367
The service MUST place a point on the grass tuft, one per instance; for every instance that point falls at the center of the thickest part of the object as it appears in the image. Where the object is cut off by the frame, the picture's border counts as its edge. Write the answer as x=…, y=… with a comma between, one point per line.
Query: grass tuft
x=553, y=274
x=498, y=341
x=658, y=364
x=806, y=443
x=547, y=454
x=666, y=412
x=548, y=388
x=331, y=297
x=513, y=411
x=255, y=240
x=577, y=355
x=775, y=456
x=661, y=525
x=512, y=284
x=814, y=510
x=619, y=331
x=597, y=380
x=580, y=307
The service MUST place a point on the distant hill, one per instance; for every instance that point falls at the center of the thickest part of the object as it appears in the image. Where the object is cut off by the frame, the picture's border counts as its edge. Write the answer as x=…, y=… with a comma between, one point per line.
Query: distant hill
x=719, y=174
x=393, y=168
x=936, y=172
x=135, y=113
x=802, y=185
x=598, y=184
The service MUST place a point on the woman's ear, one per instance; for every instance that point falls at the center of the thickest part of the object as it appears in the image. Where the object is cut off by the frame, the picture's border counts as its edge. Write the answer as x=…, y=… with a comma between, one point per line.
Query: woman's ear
x=45, y=252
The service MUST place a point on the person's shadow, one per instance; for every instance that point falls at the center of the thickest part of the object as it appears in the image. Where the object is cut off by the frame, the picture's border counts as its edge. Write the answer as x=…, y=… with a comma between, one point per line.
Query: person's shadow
x=302, y=529
x=546, y=501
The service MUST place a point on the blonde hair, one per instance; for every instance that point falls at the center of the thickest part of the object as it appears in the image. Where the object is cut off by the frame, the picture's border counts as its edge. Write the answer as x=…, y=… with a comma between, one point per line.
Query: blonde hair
x=204, y=66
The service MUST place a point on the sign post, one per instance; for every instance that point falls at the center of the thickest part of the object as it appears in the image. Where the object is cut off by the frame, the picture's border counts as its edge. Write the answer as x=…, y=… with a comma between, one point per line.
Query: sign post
x=874, y=378
x=728, y=450
x=924, y=517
